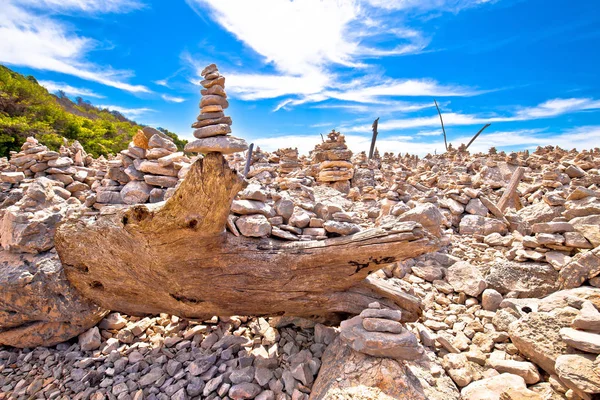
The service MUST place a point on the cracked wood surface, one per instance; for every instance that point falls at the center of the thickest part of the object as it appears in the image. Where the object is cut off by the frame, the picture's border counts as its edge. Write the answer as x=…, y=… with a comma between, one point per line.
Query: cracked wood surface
x=177, y=258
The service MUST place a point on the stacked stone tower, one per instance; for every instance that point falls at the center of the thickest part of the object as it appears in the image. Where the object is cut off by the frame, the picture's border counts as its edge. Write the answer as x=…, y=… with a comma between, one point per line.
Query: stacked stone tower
x=213, y=128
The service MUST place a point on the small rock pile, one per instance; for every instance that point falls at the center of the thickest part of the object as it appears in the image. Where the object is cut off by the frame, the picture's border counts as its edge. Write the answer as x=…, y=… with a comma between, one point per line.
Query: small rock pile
x=68, y=167
x=213, y=128
x=333, y=159
x=378, y=332
x=288, y=161
x=147, y=171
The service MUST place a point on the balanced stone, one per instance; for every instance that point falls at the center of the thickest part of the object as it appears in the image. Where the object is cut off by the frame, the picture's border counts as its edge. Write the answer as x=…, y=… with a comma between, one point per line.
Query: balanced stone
x=213, y=115
x=216, y=89
x=382, y=325
x=214, y=100
x=209, y=69
x=207, y=122
x=219, y=144
x=394, y=315
x=212, y=130
x=210, y=83
x=211, y=109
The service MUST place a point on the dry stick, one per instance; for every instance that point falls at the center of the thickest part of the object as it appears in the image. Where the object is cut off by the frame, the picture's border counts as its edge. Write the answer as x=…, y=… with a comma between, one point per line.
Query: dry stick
x=477, y=134
x=247, y=168
x=442, y=121
x=375, y=124
x=511, y=189
x=322, y=140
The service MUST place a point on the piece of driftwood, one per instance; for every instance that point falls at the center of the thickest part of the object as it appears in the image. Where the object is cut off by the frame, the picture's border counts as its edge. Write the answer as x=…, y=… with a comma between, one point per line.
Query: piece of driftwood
x=374, y=138
x=176, y=257
x=248, y=160
x=476, y=135
x=442, y=122
x=511, y=191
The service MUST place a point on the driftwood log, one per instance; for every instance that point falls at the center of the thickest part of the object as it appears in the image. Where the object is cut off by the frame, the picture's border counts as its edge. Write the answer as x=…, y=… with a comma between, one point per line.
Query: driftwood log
x=176, y=257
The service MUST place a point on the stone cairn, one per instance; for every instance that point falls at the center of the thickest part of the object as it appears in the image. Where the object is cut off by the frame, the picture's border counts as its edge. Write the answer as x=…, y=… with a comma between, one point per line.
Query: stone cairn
x=213, y=128
x=378, y=332
x=333, y=157
x=148, y=171
x=70, y=168
x=288, y=161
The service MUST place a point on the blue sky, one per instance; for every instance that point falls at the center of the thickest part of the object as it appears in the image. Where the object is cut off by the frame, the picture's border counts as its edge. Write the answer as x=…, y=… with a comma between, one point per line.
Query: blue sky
x=296, y=69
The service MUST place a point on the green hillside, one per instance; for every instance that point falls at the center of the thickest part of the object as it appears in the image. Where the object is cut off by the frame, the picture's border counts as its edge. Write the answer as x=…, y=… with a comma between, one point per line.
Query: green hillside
x=27, y=109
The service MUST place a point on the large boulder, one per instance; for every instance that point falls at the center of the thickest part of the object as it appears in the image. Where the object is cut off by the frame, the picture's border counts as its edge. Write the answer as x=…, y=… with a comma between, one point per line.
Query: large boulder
x=526, y=279
x=427, y=215
x=465, y=277
x=38, y=306
x=346, y=374
x=478, y=225
x=537, y=336
x=582, y=267
x=28, y=226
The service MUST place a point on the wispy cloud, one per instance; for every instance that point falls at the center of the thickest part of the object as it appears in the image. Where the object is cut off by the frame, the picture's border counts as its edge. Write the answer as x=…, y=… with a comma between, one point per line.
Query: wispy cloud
x=548, y=109
x=70, y=90
x=584, y=137
x=328, y=60
x=31, y=39
x=172, y=99
x=89, y=6
x=130, y=113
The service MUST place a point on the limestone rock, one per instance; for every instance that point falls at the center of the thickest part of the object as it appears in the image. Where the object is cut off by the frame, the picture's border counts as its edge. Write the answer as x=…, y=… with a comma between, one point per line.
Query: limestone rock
x=136, y=192
x=38, y=306
x=346, y=373
x=219, y=144
x=255, y=225
x=379, y=344
x=466, y=278
x=527, y=279
x=577, y=372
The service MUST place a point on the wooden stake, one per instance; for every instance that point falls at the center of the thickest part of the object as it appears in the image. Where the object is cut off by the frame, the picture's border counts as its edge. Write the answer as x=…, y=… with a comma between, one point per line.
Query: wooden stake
x=442, y=121
x=375, y=124
x=511, y=189
x=477, y=134
x=247, y=168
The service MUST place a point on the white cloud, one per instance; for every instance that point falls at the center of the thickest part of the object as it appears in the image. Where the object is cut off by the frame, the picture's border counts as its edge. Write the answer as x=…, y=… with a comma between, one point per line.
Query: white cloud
x=172, y=99
x=427, y=5
x=70, y=90
x=585, y=137
x=437, y=132
x=548, y=109
x=130, y=113
x=555, y=107
x=36, y=41
x=91, y=6
x=303, y=41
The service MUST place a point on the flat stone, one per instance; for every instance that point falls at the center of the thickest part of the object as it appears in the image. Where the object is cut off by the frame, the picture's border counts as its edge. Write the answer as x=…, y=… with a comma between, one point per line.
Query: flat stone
x=588, y=319
x=12, y=177
x=209, y=116
x=577, y=371
x=466, y=278
x=526, y=370
x=215, y=89
x=135, y=192
x=220, y=144
x=162, y=181
x=393, y=315
x=585, y=341
x=255, y=225
x=212, y=130
x=160, y=141
x=215, y=121
x=214, y=100
x=382, y=325
x=379, y=344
